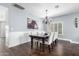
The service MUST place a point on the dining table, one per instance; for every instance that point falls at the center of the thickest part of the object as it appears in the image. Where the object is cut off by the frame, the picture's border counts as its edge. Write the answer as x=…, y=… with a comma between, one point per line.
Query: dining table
x=43, y=38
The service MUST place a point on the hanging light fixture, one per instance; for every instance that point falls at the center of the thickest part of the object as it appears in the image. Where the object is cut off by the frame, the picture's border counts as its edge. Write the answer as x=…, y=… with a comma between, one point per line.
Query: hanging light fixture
x=46, y=21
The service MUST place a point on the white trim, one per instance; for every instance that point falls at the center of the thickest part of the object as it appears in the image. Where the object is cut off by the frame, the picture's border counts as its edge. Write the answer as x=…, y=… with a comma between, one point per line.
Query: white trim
x=64, y=39
x=10, y=46
x=75, y=42
x=69, y=40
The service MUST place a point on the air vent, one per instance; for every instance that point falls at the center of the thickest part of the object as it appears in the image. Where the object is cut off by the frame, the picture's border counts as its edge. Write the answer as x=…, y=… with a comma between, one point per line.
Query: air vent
x=18, y=6
x=56, y=6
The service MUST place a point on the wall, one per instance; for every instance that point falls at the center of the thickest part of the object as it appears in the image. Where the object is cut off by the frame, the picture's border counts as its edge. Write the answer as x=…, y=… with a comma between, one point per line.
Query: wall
x=17, y=19
x=17, y=22
x=69, y=31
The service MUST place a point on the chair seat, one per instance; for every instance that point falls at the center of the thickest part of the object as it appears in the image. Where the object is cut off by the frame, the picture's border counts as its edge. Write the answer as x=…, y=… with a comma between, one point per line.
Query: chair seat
x=46, y=42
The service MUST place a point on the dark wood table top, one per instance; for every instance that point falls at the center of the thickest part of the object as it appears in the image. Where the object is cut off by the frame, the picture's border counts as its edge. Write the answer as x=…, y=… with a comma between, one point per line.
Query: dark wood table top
x=39, y=36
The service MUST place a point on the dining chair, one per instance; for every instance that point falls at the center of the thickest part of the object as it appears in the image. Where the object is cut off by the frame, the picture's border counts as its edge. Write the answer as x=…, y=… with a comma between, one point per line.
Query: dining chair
x=52, y=40
x=49, y=41
x=55, y=40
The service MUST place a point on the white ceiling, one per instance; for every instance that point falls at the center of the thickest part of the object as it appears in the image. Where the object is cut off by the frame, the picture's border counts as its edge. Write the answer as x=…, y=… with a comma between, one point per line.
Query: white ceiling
x=38, y=9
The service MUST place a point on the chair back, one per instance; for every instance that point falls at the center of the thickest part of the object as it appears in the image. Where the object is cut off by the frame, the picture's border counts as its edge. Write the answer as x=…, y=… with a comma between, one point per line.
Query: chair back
x=55, y=36
x=51, y=37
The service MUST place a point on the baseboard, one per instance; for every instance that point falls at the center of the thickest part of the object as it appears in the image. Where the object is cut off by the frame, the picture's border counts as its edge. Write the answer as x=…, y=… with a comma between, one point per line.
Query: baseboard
x=17, y=44
x=74, y=42
x=64, y=39
x=69, y=40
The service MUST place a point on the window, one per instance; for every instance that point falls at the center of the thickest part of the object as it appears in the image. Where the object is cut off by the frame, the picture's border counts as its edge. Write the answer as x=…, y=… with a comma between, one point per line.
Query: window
x=56, y=27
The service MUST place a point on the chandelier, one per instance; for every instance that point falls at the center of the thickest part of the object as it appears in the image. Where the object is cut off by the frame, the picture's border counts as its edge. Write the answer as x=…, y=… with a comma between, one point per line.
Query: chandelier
x=46, y=21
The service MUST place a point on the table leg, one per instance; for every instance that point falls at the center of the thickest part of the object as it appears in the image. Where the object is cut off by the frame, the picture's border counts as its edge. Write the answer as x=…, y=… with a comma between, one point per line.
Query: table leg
x=31, y=43
x=43, y=44
x=37, y=44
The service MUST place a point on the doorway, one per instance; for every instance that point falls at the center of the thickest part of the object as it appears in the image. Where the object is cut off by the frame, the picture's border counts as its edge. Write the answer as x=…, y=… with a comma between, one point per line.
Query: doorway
x=3, y=20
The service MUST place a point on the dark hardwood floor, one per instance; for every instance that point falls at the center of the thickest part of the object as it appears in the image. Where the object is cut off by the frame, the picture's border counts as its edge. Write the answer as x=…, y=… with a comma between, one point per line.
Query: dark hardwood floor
x=63, y=48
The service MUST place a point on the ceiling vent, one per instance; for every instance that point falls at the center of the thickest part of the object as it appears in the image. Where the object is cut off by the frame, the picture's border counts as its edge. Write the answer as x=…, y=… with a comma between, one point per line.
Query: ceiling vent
x=56, y=6
x=18, y=6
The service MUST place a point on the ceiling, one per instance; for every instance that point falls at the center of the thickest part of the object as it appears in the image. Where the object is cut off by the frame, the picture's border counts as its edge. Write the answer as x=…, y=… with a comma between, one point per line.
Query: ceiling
x=38, y=9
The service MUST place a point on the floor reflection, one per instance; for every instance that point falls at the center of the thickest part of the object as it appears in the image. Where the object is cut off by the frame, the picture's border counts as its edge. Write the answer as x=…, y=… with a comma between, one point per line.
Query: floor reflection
x=59, y=49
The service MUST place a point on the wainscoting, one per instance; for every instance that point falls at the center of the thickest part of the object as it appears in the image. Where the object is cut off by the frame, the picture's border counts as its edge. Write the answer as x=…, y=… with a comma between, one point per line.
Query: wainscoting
x=17, y=38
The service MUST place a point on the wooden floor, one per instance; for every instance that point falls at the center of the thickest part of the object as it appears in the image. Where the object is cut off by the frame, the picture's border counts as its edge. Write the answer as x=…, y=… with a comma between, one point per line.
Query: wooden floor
x=63, y=48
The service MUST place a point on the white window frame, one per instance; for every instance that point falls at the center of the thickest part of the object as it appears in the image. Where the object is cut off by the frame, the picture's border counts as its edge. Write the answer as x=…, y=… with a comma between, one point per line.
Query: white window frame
x=49, y=26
